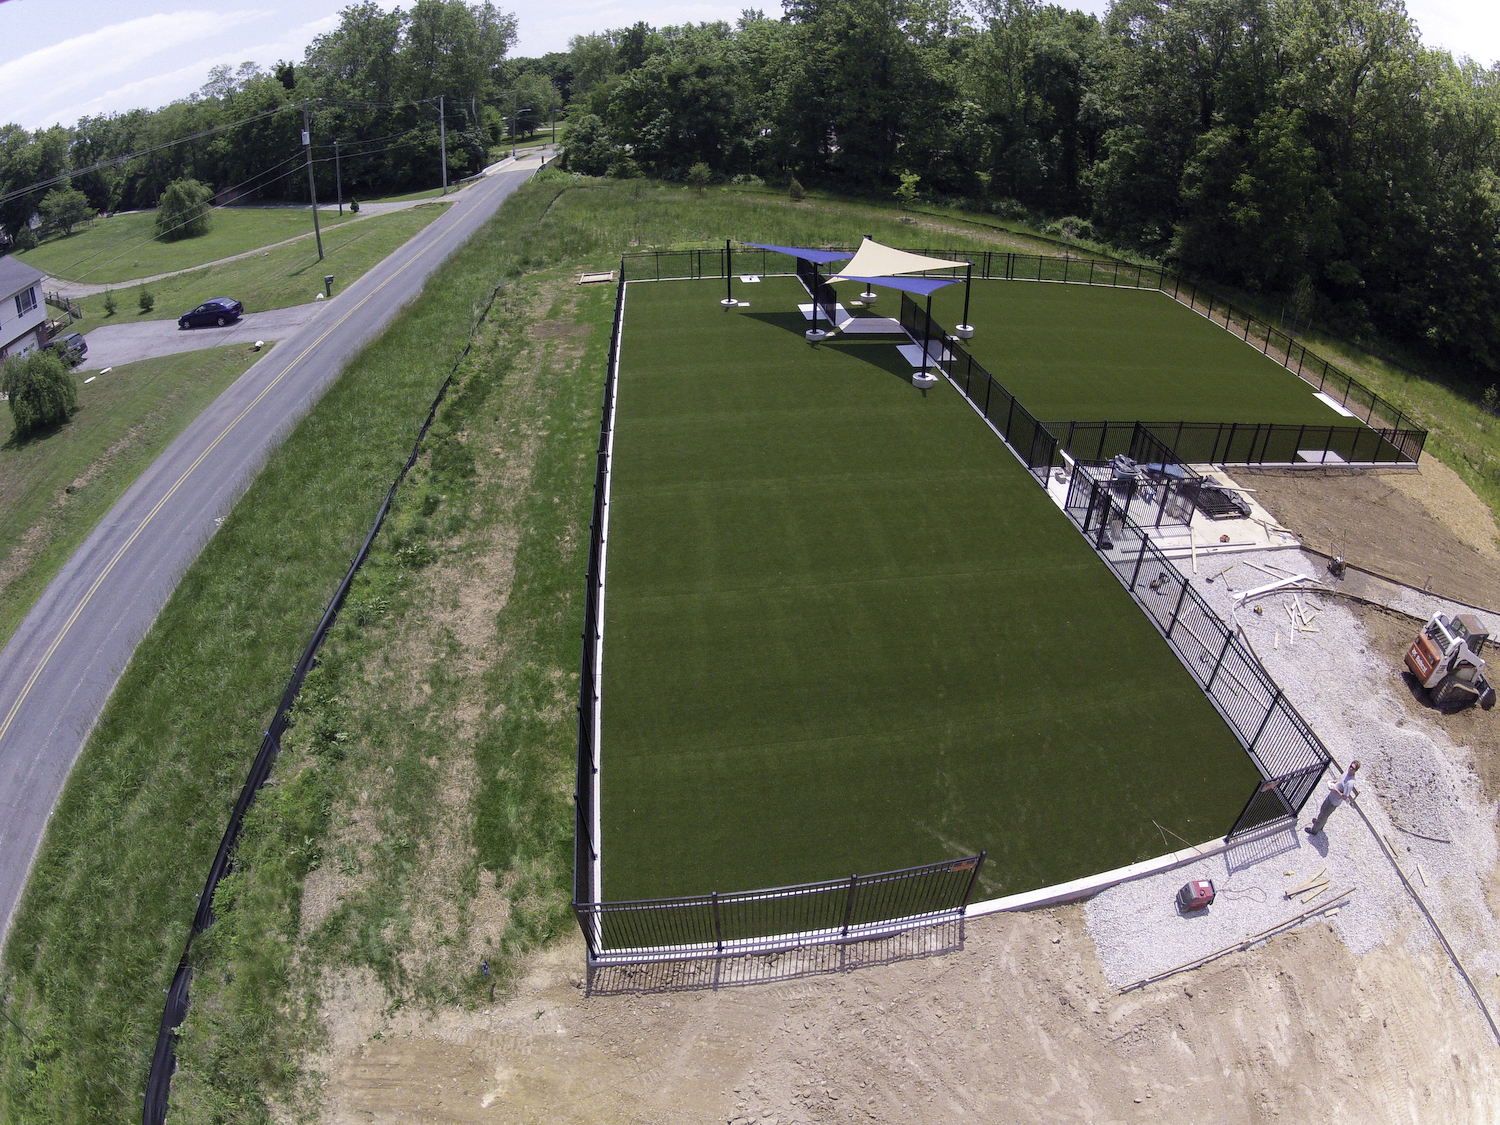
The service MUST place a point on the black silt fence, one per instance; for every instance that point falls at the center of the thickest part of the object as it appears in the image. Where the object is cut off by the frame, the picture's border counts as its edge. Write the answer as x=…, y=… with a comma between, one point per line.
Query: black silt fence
x=164, y=1058
x=1028, y=438
x=838, y=911
x=1284, y=749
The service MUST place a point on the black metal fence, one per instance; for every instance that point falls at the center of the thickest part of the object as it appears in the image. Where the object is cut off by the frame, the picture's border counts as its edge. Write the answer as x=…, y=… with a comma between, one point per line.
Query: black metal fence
x=1031, y=440
x=585, y=848
x=838, y=911
x=1376, y=412
x=1246, y=443
x=1286, y=751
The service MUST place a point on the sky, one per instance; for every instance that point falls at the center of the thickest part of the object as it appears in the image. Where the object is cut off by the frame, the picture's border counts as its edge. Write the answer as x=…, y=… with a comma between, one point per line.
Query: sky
x=146, y=53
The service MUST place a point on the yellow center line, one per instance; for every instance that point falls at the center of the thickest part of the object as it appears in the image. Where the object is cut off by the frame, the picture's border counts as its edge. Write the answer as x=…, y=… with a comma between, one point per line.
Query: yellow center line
x=238, y=418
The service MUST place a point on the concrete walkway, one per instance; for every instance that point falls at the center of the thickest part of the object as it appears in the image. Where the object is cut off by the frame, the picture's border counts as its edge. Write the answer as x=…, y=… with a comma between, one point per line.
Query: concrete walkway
x=366, y=211
x=114, y=344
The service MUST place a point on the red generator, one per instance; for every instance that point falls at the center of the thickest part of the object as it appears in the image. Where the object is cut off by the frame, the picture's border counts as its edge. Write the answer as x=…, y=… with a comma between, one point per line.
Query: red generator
x=1195, y=895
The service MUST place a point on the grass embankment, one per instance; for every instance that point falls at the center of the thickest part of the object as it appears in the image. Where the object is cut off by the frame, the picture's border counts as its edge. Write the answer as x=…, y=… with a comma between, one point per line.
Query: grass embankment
x=274, y=279
x=124, y=247
x=55, y=486
x=497, y=566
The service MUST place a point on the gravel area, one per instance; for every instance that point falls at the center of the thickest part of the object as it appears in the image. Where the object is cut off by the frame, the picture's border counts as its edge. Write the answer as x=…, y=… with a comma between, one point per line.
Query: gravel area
x=1413, y=776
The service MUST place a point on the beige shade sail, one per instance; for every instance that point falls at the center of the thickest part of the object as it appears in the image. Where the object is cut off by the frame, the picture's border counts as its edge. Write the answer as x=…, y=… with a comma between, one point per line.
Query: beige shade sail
x=876, y=260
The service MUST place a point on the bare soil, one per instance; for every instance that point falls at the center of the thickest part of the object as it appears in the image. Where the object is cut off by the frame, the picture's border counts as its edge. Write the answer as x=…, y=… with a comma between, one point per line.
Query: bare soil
x=1422, y=527
x=1016, y=1025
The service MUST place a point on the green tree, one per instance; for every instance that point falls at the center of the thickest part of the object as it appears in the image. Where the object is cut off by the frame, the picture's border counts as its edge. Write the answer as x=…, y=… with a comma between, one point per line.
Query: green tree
x=699, y=176
x=40, y=389
x=64, y=208
x=589, y=148
x=907, y=192
x=184, y=211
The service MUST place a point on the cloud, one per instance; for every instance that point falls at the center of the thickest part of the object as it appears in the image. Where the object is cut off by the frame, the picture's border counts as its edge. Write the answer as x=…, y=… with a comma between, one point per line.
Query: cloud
x=155, y=89
x=60, y=70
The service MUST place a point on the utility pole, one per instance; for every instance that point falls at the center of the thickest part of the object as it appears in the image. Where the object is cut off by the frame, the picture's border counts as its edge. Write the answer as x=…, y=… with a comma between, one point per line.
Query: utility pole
x=443, y=142
x=312, y=191
x=514, y=95
x=554, y=115
x=338, y=177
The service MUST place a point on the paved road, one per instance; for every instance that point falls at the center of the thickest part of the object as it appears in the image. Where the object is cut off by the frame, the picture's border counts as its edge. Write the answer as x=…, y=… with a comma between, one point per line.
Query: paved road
x=64, y=660
x=114, y=344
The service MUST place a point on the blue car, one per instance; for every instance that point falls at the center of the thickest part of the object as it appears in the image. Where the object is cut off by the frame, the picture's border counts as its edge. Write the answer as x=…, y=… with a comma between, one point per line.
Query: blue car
x=220, y=311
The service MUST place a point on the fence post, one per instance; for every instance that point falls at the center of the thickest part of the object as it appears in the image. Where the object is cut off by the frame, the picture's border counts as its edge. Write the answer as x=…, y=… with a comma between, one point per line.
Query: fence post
x=1092, y=264
x=1228, y=640
x=718, y=926
x=1180, y=599
x=849, y=904
x=1262, y=730
x=1141, y=558
x=973, y=878
x=1009, y=416
x=989, y=385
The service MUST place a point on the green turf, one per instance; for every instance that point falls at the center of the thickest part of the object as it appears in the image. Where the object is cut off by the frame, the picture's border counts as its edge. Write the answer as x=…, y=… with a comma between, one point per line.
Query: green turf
x=846, y=632
x=1096, y=353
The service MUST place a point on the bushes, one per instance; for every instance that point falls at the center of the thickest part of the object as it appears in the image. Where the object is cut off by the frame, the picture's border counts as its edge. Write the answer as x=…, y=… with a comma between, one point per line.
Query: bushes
x=589, y=149
x=184, y=211
x=40, y=389
x=146, y=299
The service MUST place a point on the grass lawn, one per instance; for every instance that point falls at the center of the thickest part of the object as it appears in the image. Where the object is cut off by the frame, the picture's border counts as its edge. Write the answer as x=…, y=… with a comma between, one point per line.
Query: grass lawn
x=847, y=632
x=286, y=275
x=55, y=486
x=124, y=247
x=1097, y=353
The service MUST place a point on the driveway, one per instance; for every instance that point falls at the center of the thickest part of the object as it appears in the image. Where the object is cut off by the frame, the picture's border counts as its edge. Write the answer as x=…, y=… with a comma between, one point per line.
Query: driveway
x=113, y=344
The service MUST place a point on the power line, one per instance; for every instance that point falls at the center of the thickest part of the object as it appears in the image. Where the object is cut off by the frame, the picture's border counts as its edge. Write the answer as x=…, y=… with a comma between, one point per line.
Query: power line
x=110, y=163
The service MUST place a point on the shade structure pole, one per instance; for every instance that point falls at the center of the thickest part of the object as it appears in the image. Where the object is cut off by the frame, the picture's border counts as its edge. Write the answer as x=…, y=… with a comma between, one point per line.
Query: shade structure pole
x=814, y=334
x=728, y=302
x=927, y=334
x=965, y=330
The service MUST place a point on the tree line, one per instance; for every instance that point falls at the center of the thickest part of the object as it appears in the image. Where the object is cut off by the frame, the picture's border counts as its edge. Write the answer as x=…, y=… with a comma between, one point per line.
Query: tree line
x=1311, y=151
x=374, y=84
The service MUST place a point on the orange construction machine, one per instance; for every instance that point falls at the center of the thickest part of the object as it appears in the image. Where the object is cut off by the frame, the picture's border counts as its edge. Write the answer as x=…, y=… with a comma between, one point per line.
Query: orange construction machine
x=1445, y=659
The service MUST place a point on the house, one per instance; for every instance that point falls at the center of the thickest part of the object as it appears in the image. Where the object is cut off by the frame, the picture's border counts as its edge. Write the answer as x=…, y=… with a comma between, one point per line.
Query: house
x=23, y=316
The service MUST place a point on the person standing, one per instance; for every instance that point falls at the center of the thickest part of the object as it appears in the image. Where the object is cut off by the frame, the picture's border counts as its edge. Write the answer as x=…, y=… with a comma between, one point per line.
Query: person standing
x=1338, y=791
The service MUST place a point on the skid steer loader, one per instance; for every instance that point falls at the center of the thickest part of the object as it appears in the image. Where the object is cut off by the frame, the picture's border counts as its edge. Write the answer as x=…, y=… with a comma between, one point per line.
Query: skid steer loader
x=1445, y=660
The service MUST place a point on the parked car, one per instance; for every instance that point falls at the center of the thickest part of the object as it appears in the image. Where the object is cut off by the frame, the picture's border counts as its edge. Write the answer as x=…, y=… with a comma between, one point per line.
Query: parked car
x=220, y=311
x=72, y=347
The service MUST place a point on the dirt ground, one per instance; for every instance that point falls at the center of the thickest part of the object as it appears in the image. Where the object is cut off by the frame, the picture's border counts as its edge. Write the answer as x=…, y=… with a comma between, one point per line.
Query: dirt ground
x=1425, y=528
x=1011, y=1020
x=1018, y=1025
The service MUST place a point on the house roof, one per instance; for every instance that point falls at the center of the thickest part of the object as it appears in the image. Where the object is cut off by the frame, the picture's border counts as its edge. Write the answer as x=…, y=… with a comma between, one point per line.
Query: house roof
x=16, y=275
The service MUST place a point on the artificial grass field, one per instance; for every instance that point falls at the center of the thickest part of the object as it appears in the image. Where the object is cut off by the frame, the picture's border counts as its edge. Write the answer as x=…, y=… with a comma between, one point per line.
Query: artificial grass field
x=846, y=632
x=1093, y=353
